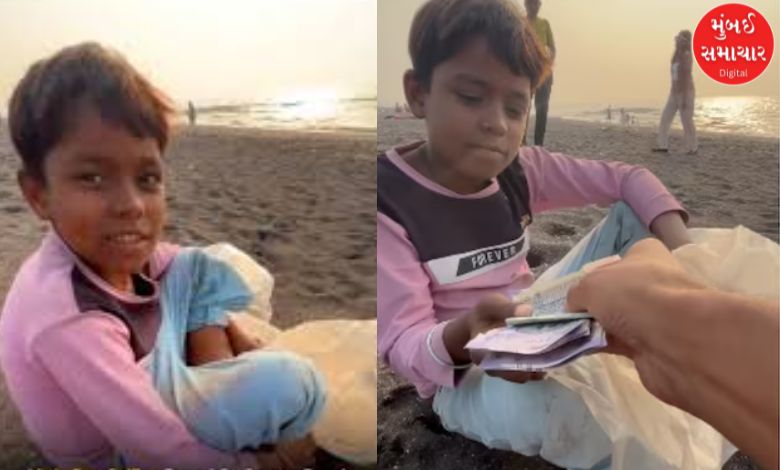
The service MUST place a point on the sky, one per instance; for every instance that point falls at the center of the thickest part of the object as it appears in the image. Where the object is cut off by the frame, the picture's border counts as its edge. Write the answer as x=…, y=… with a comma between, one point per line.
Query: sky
x=207, y=51
x=608, y=51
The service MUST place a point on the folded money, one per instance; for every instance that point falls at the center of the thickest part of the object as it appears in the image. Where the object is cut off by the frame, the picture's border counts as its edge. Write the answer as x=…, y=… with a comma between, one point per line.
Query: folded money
x=551, y=337
x=561, y=353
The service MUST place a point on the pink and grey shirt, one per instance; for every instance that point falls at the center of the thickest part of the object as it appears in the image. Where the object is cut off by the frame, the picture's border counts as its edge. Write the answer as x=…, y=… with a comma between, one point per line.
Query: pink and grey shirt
x=439, y=252
x=72, y=349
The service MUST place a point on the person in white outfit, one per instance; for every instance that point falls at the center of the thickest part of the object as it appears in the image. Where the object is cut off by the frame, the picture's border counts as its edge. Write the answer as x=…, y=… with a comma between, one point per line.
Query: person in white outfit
x=681, y=96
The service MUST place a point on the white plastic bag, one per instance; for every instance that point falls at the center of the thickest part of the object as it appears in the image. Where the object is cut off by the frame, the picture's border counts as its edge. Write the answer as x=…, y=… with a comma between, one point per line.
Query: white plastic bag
x=343, y=351
x=642, y=428
x=734, y=260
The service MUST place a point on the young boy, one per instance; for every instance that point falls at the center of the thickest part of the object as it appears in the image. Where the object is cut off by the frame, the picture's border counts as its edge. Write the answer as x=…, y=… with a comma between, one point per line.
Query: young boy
x=84, y=309
x=453, y=228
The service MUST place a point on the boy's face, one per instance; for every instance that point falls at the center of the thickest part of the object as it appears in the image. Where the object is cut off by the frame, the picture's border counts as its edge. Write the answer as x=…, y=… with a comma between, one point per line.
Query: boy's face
x=104, y=195
x=475, y=112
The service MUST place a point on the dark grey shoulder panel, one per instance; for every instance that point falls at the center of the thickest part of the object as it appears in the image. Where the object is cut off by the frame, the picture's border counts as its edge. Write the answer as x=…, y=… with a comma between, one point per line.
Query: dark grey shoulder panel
x=439, y=225
x=143, y=320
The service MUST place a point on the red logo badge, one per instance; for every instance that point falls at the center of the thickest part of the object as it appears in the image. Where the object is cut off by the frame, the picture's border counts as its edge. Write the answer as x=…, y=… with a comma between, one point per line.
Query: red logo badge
x=733, y=44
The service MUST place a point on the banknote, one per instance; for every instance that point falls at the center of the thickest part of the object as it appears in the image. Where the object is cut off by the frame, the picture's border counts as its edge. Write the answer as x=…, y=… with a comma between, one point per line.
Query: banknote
x=550, y=337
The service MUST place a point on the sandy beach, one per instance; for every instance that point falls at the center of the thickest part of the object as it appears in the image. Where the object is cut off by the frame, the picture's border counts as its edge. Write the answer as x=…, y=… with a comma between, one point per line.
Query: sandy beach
x=733, y=180
x=301, y=203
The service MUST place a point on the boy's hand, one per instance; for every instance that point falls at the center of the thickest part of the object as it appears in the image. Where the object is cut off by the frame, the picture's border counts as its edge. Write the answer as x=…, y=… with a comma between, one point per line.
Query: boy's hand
x=492, y=312
x=240, y=341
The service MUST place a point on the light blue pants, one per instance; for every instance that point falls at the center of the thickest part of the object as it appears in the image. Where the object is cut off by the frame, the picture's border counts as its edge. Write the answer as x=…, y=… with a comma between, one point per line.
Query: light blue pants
x=259, y=397
x=543, y=417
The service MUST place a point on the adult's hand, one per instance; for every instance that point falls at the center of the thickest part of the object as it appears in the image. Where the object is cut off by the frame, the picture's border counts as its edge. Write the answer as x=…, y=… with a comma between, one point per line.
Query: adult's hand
x=711, y=353
x=637, y=301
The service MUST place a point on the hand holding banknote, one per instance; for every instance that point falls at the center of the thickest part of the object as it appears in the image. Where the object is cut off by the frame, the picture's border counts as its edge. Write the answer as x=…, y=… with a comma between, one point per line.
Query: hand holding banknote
x=709, y=352
x=491, y=313
x=630, y=300
x=546, y=336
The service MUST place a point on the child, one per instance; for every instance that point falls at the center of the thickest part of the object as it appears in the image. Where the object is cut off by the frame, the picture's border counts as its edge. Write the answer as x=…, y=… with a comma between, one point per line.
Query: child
x=453, y=227
x=84, y=310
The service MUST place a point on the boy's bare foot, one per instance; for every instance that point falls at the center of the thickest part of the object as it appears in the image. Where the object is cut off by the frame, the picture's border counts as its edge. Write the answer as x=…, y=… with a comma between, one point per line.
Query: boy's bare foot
x=290, y=455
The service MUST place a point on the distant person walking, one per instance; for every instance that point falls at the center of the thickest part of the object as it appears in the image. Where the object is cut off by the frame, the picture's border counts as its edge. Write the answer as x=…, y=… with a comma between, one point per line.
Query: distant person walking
x=191, y=113
x=681, y=96
x=541, y=28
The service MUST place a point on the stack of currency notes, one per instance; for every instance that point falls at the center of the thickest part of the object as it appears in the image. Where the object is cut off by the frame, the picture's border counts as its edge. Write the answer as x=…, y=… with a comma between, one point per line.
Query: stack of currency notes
x=550, y=338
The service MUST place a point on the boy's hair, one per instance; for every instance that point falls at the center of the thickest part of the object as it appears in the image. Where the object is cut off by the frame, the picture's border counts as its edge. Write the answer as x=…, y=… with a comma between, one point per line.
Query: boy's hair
x=52, y=91
x=441, y=28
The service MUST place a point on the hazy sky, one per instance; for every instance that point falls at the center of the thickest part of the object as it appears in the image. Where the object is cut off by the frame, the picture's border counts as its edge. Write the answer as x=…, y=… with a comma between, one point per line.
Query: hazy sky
x=206, y=50
x=608, y=51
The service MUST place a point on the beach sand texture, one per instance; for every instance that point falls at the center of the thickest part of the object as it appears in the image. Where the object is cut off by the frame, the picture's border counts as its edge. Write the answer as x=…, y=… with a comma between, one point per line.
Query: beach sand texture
x=300, y=203
x=733, y=180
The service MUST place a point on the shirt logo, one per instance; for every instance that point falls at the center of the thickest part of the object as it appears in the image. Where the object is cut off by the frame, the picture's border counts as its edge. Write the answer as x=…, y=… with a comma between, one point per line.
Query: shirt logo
x=487, y=257
x=462, y=266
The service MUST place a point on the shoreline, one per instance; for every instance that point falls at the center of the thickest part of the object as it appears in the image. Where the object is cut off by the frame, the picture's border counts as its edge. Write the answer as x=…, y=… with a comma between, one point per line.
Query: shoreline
x=348, y=132
x=388, y=115
x=678, y=128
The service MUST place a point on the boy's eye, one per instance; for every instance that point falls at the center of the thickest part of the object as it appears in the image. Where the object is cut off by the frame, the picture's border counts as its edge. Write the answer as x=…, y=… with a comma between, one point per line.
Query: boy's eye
x=469, y=98
x=514, y=112
x=91, y=179
x=151, y=180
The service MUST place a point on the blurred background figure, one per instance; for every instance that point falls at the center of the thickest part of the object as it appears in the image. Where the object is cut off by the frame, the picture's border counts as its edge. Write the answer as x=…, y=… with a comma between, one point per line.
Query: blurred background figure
x=681, y=97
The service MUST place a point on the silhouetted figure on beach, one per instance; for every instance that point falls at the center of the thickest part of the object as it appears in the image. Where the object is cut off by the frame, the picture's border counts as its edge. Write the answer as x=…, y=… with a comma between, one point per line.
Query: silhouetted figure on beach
x=625, y=118
x=543, y=32
x=681, y=96
x=191, y=113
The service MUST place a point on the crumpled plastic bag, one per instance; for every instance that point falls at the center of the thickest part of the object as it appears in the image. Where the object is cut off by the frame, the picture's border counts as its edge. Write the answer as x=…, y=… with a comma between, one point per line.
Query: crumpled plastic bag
x=229, y=404
x=343, y=351
x=734, y=260
x=647, y=433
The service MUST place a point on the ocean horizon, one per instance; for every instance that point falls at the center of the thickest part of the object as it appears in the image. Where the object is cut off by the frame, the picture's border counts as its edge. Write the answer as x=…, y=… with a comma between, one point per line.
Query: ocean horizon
x=325, y=114
x=745, y=115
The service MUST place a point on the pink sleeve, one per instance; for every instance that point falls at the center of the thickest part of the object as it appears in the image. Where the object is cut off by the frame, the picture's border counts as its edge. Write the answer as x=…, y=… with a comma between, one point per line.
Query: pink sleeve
x=556, y=181
x=405, y=312
x=90, y=359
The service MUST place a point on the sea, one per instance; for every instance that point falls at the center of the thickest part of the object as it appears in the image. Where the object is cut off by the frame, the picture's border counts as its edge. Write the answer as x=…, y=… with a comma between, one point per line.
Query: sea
x=746, y=115
x=323, y=114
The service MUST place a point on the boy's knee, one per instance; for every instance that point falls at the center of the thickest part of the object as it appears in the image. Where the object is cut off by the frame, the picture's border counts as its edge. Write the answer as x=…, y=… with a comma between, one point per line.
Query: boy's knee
x=298, y=391
x=295, y=378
